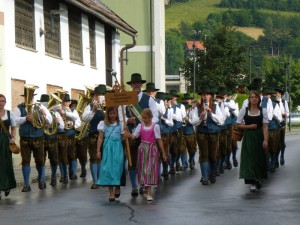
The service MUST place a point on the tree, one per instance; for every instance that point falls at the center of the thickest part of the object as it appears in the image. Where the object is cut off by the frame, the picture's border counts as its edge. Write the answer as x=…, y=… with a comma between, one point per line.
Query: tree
x=174, y=51
x=223, y=62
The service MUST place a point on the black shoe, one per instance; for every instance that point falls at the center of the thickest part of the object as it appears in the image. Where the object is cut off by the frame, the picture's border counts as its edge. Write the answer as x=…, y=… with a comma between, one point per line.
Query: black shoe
x=83, y=173
x=212, y=179
x=53, y=182
x=73, y=177
x=94, y=186
x=221, y=169
x=172, y=171
x=134, y=192
x=178, y=167
x=65, y=180
x=235, y=163
x=276, y=164
x=258, y=185
x=111, y=199
x=192, y=165
x=142, y=190
x=26, y=188
x=42, y=184
x=272, y=169
x=204, y=181
x=282, y=162
x=61, y=179
x=6, y=192
x=166, y=175
x=228, y=165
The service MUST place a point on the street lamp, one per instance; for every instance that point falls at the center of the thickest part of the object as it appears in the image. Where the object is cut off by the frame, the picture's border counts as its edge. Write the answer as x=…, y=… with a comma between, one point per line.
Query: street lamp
x=250, y=61
x=195, y=34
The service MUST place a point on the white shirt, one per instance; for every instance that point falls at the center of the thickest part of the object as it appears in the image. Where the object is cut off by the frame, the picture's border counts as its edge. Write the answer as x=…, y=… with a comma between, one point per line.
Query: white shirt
x=21, y=120
x=169, y=120
x=137, y=131
x=152, y=106
x=217, y=117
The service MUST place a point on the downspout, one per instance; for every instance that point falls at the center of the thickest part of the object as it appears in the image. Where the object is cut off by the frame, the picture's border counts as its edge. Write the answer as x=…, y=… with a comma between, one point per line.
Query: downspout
x=127, y=46
x=151, y=41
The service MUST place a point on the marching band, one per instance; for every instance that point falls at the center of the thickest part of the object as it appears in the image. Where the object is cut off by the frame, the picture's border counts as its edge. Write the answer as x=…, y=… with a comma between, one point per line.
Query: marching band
x=206, y=124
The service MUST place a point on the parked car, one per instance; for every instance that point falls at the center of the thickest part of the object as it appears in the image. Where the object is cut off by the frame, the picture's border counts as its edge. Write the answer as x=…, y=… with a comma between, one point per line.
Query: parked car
x=295, y=118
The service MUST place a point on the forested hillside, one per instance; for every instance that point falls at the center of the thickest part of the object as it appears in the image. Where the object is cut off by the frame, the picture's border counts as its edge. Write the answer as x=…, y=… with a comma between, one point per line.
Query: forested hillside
x=272, y=56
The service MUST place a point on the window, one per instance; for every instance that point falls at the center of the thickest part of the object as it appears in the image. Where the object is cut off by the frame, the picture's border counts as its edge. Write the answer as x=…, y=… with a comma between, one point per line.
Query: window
x=92, y=41
x=52, y=28
x=24, y=23
x=75, y=35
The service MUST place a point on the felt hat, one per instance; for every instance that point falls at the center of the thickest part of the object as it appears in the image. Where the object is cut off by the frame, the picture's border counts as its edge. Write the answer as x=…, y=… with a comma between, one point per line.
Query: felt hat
x=44, y=98
x=150, y=87
x=173, y=93
x=100, y=89
x=67, y=98
x=74, y=101
x=280, y=90
x=187, y=96
x=256, y=85
x=136, y=77
x=160, y=95
x=205, y=89
x=268, y=90
x=25, y=93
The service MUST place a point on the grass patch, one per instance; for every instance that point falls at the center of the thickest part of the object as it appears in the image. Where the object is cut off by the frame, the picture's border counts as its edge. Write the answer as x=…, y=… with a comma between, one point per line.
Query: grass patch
x=191, y=11
x=253, y=32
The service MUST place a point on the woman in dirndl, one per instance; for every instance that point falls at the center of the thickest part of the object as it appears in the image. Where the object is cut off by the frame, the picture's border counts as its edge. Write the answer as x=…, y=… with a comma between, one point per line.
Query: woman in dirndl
x=7, y=176
x=254, y=121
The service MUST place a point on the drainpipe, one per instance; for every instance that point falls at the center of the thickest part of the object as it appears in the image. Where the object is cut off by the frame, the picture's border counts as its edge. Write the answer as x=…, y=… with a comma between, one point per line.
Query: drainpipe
x=151, y=41
x=127, y=46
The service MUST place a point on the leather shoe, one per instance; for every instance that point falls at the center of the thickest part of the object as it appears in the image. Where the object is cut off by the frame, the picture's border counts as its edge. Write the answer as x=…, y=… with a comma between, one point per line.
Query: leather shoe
x=282, y=161
x=6, y=192
x=111, y=199
x=134, y=192
x=53, y=182
x=26, y=188
x=94, y=186
x=83, y=173
x=42, y=184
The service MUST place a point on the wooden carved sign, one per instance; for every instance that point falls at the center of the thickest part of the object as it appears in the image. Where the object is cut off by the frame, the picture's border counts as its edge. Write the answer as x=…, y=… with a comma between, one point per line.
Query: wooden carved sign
x=120, y=97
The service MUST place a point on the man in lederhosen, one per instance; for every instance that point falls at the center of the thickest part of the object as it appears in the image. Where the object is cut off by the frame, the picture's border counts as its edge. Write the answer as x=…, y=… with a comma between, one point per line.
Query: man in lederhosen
x=284, y=108
x=207, y=117
x=144, y=101
x=51, y=143
x=94, y=113
x=31, y=140
x=72, y=121
x=189, y=138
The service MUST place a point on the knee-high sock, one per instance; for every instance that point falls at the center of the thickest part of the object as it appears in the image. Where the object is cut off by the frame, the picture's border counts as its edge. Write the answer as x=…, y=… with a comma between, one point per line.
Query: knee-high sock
x=204, y=169
x=82, y=164
x=93, y=168
x=64, y=169
x=41, y=172
x=26, y=174
x=132, y=176
x=233, y=154
x=60, y=168
x=184, y=159
x=98, y=169
x=53, y=171
x=74, y=167
x=165, y=167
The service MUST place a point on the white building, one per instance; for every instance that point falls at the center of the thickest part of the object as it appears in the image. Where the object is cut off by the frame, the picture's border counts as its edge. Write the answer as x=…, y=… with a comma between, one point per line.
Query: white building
x=63, y=44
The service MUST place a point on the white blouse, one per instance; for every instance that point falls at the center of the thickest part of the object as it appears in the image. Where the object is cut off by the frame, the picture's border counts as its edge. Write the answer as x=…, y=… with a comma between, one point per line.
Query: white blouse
x=12, y=118
x=101, y=125
x=137, y=131
x=242, y=113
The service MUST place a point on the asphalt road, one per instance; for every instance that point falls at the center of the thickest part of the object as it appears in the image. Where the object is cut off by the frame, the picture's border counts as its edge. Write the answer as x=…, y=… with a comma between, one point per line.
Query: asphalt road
x=181, y=200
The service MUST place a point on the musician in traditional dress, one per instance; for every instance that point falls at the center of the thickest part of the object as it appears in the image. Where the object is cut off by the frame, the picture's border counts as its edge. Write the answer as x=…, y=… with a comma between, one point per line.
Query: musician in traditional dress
x=31, y=118
x=284, y=108
x=207, y=117
x=94, y=113
x=72, y=121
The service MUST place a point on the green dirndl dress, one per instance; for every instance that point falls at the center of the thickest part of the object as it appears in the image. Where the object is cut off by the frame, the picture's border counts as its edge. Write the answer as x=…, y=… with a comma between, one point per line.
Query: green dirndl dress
x=7, y=176
x=253, y=166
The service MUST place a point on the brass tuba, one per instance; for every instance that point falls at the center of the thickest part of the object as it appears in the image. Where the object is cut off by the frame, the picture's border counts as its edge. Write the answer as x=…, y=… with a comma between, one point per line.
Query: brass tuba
x=52, y=128
x=38, y=119
x=84, y=101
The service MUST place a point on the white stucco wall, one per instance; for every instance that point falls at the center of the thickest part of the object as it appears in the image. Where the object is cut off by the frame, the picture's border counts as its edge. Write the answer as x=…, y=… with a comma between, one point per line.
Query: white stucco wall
x=35, y=67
